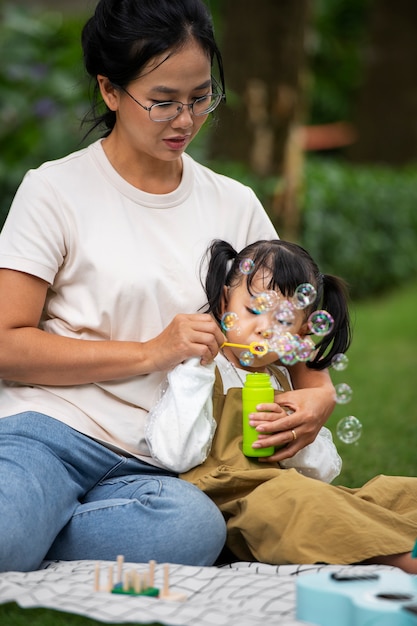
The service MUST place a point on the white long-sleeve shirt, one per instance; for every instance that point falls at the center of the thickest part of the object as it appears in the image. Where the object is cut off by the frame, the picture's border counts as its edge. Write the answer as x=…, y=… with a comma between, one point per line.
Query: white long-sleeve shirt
x=181, y=426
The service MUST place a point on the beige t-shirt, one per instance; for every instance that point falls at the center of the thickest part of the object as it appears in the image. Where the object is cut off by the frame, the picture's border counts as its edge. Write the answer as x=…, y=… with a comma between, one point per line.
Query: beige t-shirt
x=121, y=263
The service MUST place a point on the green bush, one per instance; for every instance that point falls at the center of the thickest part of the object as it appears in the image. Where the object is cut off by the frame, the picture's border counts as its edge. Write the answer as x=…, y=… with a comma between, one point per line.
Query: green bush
x=361, y=223
x=43, y=92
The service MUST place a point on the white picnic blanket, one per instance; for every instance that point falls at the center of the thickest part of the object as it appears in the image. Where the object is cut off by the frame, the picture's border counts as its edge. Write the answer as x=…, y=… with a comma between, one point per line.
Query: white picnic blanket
x=240, y=594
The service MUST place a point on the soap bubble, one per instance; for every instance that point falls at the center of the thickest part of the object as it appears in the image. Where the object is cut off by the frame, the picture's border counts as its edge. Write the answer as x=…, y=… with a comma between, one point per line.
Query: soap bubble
x=304, y=295
x=289, y=346
x=284, y=344
x=343, y=393
x=304, y=348
x=272, y=338
x=246, y=266
x=340, y=362
x=289, y=359
x=246, y=358
x=286, y=348
x=268, y=334
x=264, y=302
x=349, y=429
x=320, y=323
x=229, y=321
x=284, y=314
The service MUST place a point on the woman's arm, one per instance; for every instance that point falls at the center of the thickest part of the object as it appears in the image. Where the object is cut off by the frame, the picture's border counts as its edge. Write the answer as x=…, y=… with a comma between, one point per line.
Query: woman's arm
x=319, y=459
x=31, y=355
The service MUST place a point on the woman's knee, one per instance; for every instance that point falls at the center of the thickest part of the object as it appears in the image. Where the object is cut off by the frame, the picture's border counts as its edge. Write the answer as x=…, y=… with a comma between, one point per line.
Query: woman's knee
x=207, y=527
x=168, y=521
x=195, y=521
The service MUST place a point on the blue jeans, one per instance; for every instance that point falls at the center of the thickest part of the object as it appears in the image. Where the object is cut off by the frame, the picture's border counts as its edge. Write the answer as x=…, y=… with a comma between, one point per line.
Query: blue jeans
x=65, y=496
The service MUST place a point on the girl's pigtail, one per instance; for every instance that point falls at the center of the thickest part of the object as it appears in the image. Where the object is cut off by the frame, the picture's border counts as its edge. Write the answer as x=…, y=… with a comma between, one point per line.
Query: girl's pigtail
x=335, y=302
x=221, y=257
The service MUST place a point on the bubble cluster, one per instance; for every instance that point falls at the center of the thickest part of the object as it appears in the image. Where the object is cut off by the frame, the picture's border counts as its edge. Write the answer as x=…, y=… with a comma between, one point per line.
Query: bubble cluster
x=284, y=313
x=293, y=348
x=349, y=429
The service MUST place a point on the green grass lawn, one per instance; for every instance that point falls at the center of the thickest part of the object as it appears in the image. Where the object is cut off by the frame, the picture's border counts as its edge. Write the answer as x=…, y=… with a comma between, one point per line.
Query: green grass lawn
x=382, y=374
x=12, y=615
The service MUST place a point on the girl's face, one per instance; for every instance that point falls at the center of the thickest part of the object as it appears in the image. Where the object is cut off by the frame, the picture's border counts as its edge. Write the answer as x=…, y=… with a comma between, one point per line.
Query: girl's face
x=252, y=326
x=183, y=76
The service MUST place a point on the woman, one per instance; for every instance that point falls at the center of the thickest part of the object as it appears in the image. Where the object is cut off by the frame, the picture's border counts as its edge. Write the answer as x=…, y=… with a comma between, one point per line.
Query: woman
x=100, y=283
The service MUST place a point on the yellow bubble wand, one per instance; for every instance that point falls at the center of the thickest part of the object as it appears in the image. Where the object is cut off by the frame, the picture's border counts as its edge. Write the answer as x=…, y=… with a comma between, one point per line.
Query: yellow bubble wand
x=257, y=348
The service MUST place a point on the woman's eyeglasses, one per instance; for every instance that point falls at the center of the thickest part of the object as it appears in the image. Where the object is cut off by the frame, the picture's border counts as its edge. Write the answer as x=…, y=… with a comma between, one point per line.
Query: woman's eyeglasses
x=166, y=111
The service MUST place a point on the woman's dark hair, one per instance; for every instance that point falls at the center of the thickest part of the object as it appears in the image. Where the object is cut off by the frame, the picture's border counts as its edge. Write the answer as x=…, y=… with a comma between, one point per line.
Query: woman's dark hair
x=289, y=266
x=124, y=35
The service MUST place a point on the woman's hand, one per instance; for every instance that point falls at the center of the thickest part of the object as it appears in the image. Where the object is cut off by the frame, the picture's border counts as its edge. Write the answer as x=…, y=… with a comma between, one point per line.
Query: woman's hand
x=294, y=420
x=31, y=355
x=193, y=335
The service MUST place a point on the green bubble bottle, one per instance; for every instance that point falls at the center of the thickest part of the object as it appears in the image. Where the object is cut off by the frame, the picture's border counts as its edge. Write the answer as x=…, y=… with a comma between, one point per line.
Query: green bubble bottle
x=256, y=390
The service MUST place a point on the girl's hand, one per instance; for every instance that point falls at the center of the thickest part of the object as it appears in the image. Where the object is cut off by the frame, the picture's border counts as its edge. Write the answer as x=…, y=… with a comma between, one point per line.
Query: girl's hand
x=293, y=421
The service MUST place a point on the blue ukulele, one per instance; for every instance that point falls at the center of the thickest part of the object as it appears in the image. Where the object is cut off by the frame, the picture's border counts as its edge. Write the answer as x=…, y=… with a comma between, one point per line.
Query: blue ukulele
x=388, y=598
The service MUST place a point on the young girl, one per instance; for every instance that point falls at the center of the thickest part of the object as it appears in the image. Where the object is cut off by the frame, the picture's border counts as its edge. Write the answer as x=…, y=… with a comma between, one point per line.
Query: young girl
x=278, y=515
x=250, y=296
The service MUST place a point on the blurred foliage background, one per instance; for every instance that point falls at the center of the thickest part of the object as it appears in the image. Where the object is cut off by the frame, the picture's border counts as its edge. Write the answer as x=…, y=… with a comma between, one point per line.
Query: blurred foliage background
x=321, y=120
x=300, y=80
x=43, y=92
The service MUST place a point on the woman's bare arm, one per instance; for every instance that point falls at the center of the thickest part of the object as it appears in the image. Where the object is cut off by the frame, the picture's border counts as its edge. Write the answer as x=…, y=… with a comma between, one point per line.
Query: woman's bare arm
x=31, y=355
